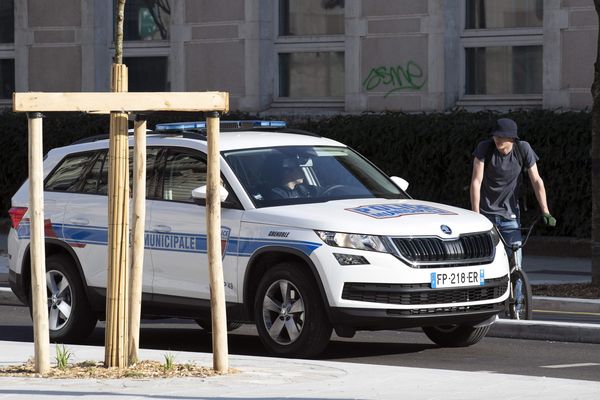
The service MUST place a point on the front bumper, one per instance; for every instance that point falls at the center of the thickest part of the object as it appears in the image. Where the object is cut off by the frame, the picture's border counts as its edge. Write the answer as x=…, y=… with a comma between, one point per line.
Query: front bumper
x=384, y=319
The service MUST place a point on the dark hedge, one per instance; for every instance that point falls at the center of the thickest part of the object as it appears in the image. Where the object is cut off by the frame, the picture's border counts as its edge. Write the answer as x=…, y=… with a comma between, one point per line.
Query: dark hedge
x=434, y=153
x=431, y=151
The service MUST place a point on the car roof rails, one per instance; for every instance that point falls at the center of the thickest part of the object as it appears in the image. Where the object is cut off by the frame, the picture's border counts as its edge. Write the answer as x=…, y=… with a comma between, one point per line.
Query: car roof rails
x=96, y=138
x=91, y=139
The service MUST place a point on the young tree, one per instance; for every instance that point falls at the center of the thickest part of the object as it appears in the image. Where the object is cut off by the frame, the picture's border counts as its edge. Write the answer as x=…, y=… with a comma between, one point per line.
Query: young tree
x=596, y=161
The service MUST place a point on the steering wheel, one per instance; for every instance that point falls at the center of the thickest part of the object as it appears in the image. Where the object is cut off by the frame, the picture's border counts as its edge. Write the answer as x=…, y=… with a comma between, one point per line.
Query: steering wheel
x=334, y=188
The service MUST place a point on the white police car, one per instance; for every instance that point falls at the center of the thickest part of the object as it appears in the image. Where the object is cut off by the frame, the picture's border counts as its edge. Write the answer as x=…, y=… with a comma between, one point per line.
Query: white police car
x=314, y=238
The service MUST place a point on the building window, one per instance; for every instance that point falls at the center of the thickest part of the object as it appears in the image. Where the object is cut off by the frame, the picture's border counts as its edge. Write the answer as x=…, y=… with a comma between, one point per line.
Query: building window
x=7, y=78
x=311, y=17
x=7, y=21
x=318, y=74
x=146, y=20
x=147, y=74
x=503, y=52
x=503, y=70
x=494, y=14
x=309, y=50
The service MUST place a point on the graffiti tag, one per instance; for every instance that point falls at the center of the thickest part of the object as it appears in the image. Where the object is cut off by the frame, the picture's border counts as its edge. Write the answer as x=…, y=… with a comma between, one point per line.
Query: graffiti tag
x=396, y=78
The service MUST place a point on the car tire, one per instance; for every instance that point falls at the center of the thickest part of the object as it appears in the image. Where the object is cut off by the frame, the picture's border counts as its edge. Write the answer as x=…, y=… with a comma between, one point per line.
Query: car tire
x=455, y=335
x=289, y=312
x=70, y=317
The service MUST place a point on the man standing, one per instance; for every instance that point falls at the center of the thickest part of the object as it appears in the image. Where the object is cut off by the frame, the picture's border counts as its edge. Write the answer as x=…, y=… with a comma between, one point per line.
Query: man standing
x=496, y=176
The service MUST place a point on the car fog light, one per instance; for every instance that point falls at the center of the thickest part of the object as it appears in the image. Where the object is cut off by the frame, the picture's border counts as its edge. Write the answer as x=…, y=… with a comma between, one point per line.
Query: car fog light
x=350, y=259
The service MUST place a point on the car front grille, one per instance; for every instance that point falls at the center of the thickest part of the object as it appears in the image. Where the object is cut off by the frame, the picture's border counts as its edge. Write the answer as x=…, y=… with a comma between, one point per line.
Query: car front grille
x=421, y=294
x=467, y=247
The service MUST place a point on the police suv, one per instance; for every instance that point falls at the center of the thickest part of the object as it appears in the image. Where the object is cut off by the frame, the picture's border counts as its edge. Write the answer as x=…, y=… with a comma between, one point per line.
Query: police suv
x=314, y=238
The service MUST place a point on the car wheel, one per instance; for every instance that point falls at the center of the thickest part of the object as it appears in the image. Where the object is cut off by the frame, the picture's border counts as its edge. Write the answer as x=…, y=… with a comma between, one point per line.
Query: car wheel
x=455, y=335
x=70, y=317
x=289, y=312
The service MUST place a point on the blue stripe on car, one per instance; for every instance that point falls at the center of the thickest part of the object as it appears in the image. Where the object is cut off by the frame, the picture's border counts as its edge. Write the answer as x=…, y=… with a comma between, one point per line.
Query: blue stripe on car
x=181, y=242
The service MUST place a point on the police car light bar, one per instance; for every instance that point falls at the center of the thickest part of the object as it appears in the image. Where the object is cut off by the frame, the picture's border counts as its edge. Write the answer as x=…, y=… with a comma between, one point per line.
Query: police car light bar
x=201, y=125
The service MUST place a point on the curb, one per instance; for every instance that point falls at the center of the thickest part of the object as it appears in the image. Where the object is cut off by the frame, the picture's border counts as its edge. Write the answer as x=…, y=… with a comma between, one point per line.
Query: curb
x=546, y=330
x=542, y=303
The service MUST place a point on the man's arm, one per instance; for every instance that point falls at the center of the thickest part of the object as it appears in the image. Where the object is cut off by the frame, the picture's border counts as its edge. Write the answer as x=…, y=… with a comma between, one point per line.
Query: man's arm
x=476, y=179
x=538, y=188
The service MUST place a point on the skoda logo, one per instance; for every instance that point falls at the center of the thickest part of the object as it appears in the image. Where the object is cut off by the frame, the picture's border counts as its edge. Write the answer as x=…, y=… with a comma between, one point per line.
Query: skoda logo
x=446, y=229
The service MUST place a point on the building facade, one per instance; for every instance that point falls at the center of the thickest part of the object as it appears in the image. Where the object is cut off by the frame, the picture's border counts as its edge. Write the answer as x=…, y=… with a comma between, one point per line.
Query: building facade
x=312, y=56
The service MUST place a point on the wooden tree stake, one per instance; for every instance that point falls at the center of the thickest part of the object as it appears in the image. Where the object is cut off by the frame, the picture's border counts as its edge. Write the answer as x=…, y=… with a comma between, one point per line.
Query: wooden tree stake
x=138, y=223
x=37, y=246
x=215, y=262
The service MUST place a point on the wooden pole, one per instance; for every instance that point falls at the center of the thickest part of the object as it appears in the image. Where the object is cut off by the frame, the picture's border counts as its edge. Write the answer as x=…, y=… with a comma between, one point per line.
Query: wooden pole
x=138, y=223
x=215, y=262
x=116, y=336
x=39, y=294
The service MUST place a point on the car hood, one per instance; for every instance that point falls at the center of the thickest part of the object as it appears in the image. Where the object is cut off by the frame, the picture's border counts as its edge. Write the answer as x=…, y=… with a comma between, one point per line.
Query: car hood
x=374, y=216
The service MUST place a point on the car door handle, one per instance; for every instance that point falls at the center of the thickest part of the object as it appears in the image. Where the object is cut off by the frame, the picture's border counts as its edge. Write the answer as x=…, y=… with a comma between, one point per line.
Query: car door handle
x=80, y=221
x=161, y=228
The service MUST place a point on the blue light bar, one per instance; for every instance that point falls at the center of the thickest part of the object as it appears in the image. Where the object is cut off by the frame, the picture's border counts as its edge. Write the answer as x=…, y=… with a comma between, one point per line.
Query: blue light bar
x=201, y=125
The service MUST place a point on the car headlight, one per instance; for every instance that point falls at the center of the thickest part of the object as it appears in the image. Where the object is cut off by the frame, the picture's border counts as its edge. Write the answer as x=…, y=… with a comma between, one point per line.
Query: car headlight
x=353, y=241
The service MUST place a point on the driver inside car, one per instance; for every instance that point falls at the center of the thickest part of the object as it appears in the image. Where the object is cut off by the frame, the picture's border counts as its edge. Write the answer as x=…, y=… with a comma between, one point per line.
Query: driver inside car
x=291, y=184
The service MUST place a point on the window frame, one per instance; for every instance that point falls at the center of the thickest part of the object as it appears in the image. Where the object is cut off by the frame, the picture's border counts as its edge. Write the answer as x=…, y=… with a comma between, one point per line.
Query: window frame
x=304, y=44
x=495, y=37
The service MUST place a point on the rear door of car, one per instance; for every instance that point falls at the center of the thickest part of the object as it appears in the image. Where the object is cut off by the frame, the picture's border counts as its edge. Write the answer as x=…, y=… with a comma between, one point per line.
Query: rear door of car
x=86, y=220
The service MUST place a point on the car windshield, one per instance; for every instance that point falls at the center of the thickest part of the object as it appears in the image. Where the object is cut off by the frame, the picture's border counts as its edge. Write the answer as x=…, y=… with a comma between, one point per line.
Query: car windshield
x=299, y=174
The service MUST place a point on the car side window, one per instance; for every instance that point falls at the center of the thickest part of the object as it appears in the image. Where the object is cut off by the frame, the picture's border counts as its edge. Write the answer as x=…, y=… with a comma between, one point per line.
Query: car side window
x=183, y=172
x=96, y=181
x=92, y=181
x=67, y=177
x=88, y=173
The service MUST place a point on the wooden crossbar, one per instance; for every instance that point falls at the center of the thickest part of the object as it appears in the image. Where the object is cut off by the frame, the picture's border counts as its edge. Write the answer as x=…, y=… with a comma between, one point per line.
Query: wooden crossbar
x=102, y=102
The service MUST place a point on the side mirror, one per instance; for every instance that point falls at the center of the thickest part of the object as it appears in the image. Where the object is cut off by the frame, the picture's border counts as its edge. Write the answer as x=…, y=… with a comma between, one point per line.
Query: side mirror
x=401, y=183
x=200, y=193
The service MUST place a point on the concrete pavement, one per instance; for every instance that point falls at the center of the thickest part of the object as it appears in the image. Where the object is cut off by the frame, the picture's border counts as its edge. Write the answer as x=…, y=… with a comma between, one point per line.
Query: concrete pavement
x=274, y=378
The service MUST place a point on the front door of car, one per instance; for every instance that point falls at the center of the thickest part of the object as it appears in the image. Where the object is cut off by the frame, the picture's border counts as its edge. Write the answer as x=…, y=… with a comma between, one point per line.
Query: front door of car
x=177, y=233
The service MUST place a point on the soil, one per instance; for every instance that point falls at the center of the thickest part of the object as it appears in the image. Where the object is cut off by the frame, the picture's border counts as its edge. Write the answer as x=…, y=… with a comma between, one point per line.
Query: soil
x=96, y=370
x=575, y=290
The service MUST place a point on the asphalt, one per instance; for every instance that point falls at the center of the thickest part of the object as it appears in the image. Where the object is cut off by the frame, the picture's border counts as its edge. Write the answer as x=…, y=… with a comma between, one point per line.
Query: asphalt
x=274, y=378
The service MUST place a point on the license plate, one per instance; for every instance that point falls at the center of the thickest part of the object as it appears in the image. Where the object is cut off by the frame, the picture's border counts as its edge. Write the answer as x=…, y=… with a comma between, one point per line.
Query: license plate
x=463, y=277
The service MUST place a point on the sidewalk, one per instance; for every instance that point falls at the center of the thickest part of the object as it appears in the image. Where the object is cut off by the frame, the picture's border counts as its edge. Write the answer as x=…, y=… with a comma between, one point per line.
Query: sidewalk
x=274, y=378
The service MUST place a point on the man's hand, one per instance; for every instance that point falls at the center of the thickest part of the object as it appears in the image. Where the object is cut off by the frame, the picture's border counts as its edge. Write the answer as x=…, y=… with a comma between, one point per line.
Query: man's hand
x=549, y=220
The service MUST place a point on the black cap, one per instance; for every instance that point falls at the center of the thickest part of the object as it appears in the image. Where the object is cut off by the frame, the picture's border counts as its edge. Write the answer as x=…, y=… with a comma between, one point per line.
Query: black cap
x=505, y=127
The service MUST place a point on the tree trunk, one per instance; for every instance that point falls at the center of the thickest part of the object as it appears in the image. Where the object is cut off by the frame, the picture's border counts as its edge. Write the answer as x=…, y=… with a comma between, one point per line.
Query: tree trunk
x=596, y=161
x=119, y=32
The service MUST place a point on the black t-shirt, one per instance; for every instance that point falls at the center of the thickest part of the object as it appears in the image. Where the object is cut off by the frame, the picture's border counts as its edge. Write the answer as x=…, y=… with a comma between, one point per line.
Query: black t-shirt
x=499, y=189
x=283, y=192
